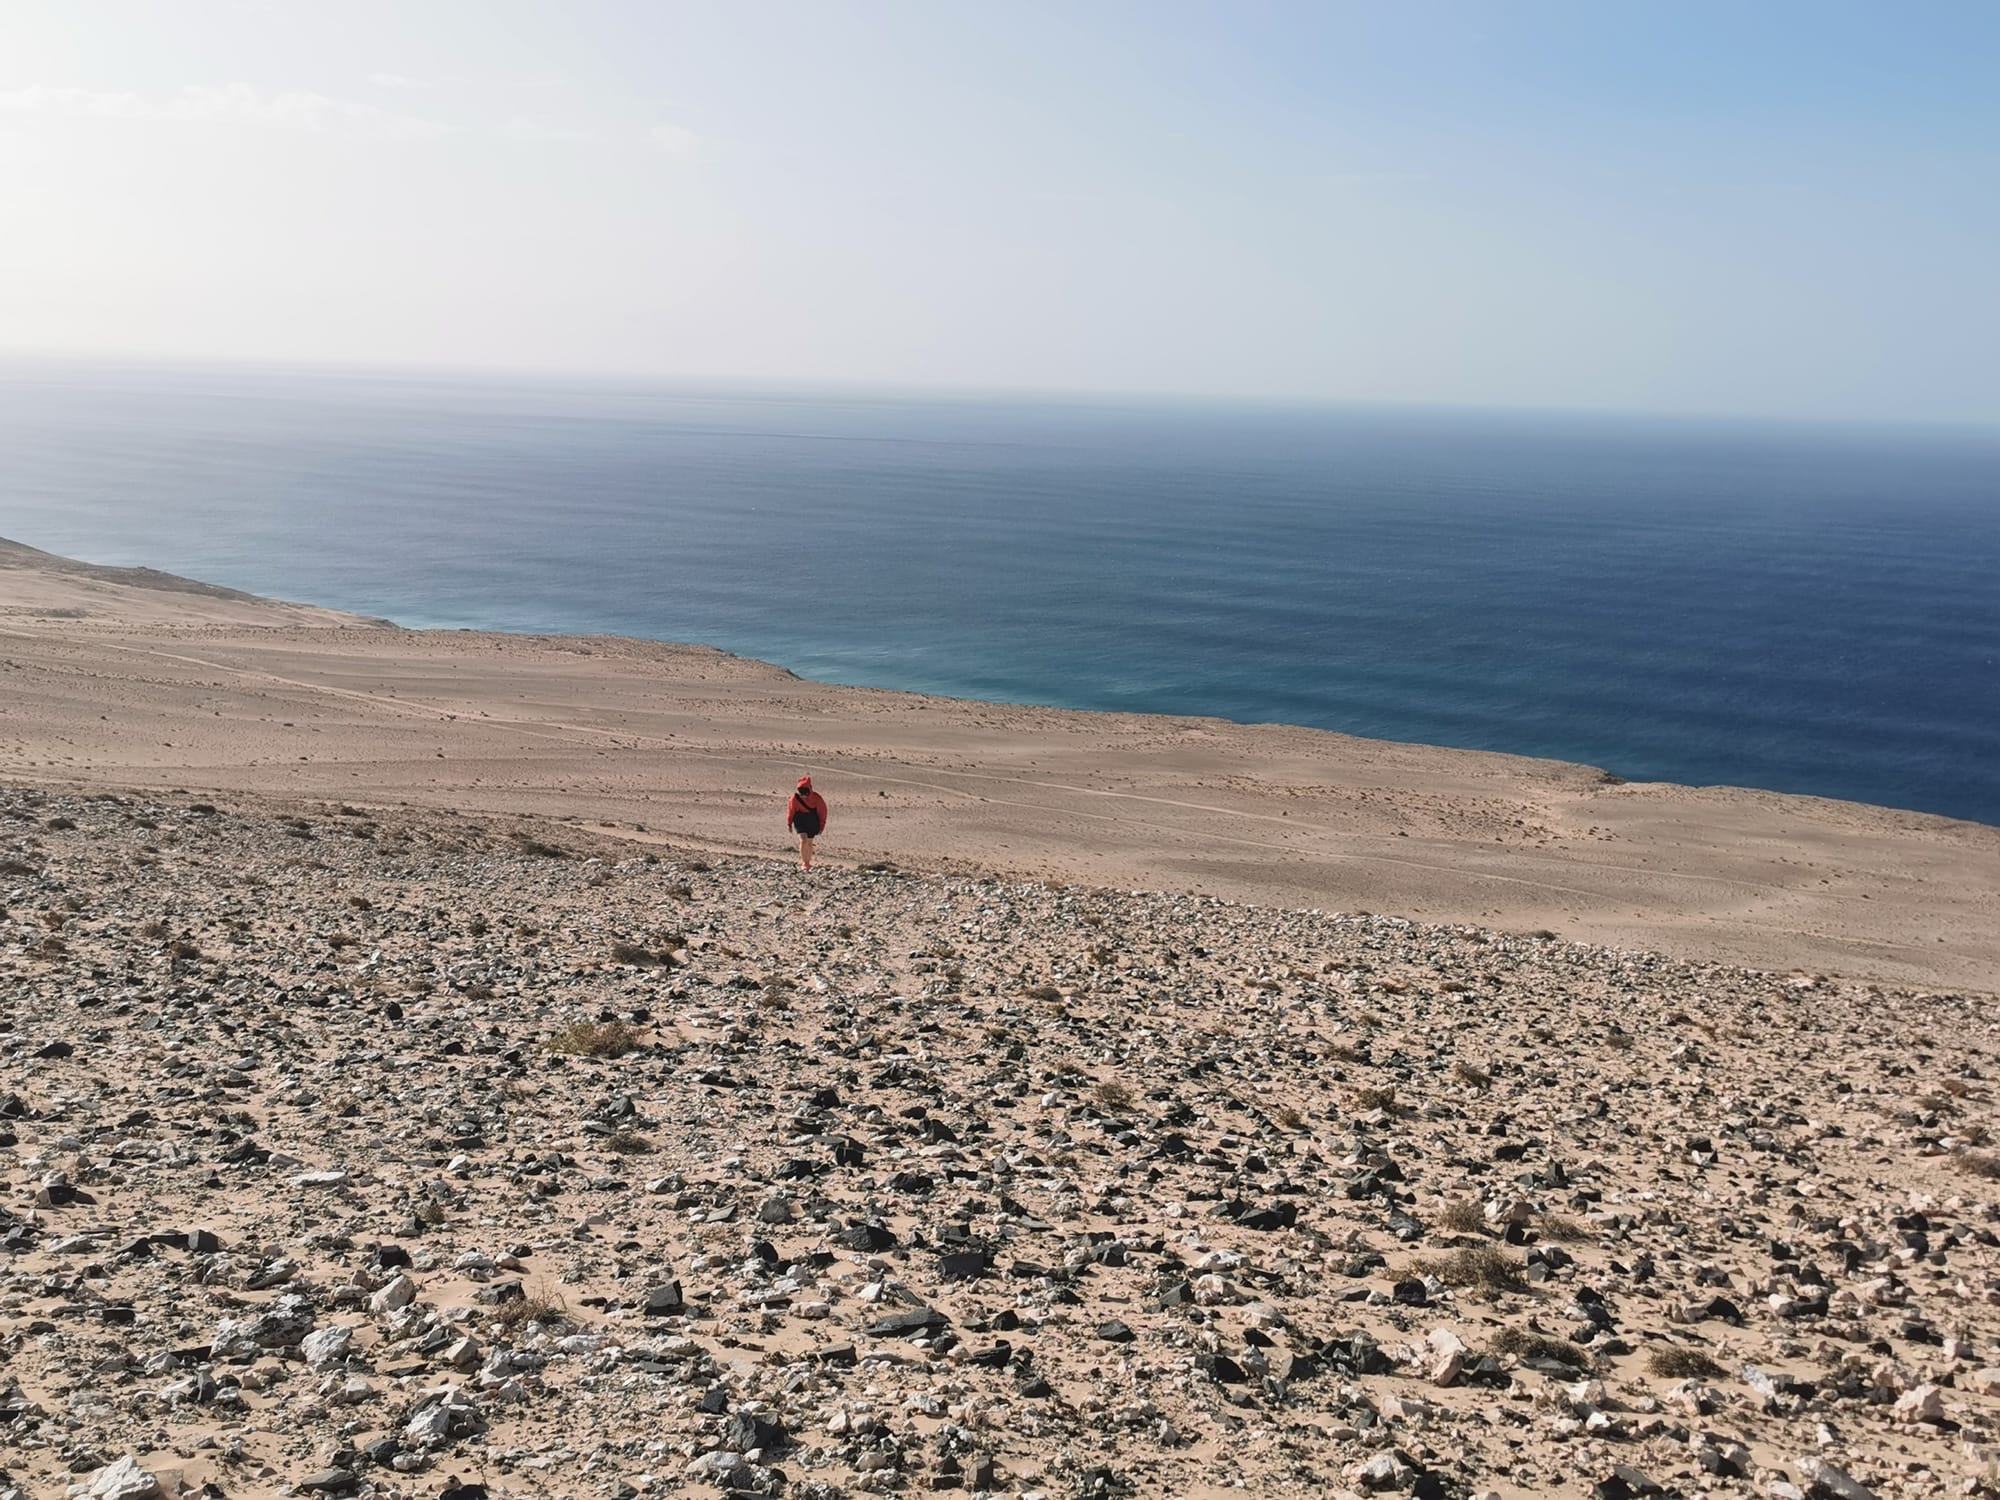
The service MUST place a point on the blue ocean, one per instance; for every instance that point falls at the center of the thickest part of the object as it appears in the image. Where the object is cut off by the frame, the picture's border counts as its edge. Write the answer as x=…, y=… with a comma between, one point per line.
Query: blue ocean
x=1806, y=608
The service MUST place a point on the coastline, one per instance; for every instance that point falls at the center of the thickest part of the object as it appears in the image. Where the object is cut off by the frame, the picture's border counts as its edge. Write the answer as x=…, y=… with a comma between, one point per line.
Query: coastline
x=124, y=678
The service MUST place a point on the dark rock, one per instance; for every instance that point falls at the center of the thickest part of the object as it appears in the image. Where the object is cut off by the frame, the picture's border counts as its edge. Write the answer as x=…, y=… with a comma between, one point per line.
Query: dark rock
x=1115, y=1332
x=1221, y=1369
x=1625, y=1483
x=664, y=1300
x=964, y=1265
x=327, y=1482
x=868, y=1237
x=905, y=1325
x=744, y=1432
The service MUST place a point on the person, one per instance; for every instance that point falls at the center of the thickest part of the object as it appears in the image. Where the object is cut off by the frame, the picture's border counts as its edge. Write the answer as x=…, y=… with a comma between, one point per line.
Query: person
x=805, y=815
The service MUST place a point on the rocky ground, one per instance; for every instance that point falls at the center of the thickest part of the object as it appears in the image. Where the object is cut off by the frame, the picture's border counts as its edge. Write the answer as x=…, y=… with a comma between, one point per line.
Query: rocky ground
x=361, y=1151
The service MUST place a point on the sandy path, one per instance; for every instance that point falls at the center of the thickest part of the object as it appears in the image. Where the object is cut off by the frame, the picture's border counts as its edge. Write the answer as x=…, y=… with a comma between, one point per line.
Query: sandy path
x=128, y=679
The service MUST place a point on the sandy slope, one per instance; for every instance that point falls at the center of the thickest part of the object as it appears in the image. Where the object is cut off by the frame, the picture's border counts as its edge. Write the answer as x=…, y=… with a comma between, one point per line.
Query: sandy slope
x=130, y=678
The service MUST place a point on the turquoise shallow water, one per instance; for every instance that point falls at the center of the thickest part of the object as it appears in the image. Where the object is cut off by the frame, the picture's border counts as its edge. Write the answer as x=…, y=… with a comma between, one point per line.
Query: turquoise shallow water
x=1802, y=608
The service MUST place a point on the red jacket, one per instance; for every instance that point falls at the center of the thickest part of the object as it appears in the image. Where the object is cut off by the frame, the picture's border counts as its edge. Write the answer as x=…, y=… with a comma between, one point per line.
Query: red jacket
x=811, y=802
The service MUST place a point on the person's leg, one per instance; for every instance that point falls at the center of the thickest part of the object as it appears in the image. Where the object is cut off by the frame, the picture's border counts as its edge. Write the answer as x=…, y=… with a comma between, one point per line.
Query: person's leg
x=805, y=852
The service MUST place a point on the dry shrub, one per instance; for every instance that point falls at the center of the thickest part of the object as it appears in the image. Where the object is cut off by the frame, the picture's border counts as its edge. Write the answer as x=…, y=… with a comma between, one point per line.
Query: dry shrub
x=1561, y=1227
x=1287, y=1118
x=182, y=948
x=1618, y=1041
x=540, y=1307
x=1481, y=1268
x=1113, y=1095
x=627, y=1143
x=1369, y=1099
x=339, y=940
x=528, y=844
x=1472, y=1075
x=1523, y=1343
x=595, y=1039
x=1044, y=992
x=1463, y=1216
x=1675, y=1363
x=1338, y=1051
x=1958, y=1088
x=643, y=958
x=1980, y=1164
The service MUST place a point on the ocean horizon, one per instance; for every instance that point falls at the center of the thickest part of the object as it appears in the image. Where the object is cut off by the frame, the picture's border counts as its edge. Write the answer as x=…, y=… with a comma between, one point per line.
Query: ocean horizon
x=1805, y=608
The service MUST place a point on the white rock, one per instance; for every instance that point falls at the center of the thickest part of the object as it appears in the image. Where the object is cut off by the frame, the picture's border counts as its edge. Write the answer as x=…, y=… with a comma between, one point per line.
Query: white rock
x=327, y=1347
x=123, y=1480
x=1924, y=1404
x=399, y=1293
x=1822, y=1478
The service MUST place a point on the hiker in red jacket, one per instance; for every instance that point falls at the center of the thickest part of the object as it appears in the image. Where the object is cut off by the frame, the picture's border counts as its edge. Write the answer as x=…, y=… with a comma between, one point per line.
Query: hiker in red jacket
x=805, y=815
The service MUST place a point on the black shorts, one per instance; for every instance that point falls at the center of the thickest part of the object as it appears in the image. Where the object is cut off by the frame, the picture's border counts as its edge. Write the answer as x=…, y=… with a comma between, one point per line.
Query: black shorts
x=806, y=824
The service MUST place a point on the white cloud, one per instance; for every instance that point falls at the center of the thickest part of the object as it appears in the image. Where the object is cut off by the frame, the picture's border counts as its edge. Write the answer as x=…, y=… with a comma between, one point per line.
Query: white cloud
x=674, y=140
x=226, y=104
x=396, y=81
x=521, y=128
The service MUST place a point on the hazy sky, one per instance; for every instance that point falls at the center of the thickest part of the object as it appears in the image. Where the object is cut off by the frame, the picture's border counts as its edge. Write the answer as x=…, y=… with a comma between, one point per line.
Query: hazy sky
x=1744, y=206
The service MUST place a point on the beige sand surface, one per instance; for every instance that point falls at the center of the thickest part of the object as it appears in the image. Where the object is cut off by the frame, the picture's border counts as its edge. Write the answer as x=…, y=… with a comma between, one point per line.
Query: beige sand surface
x=135, y=679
